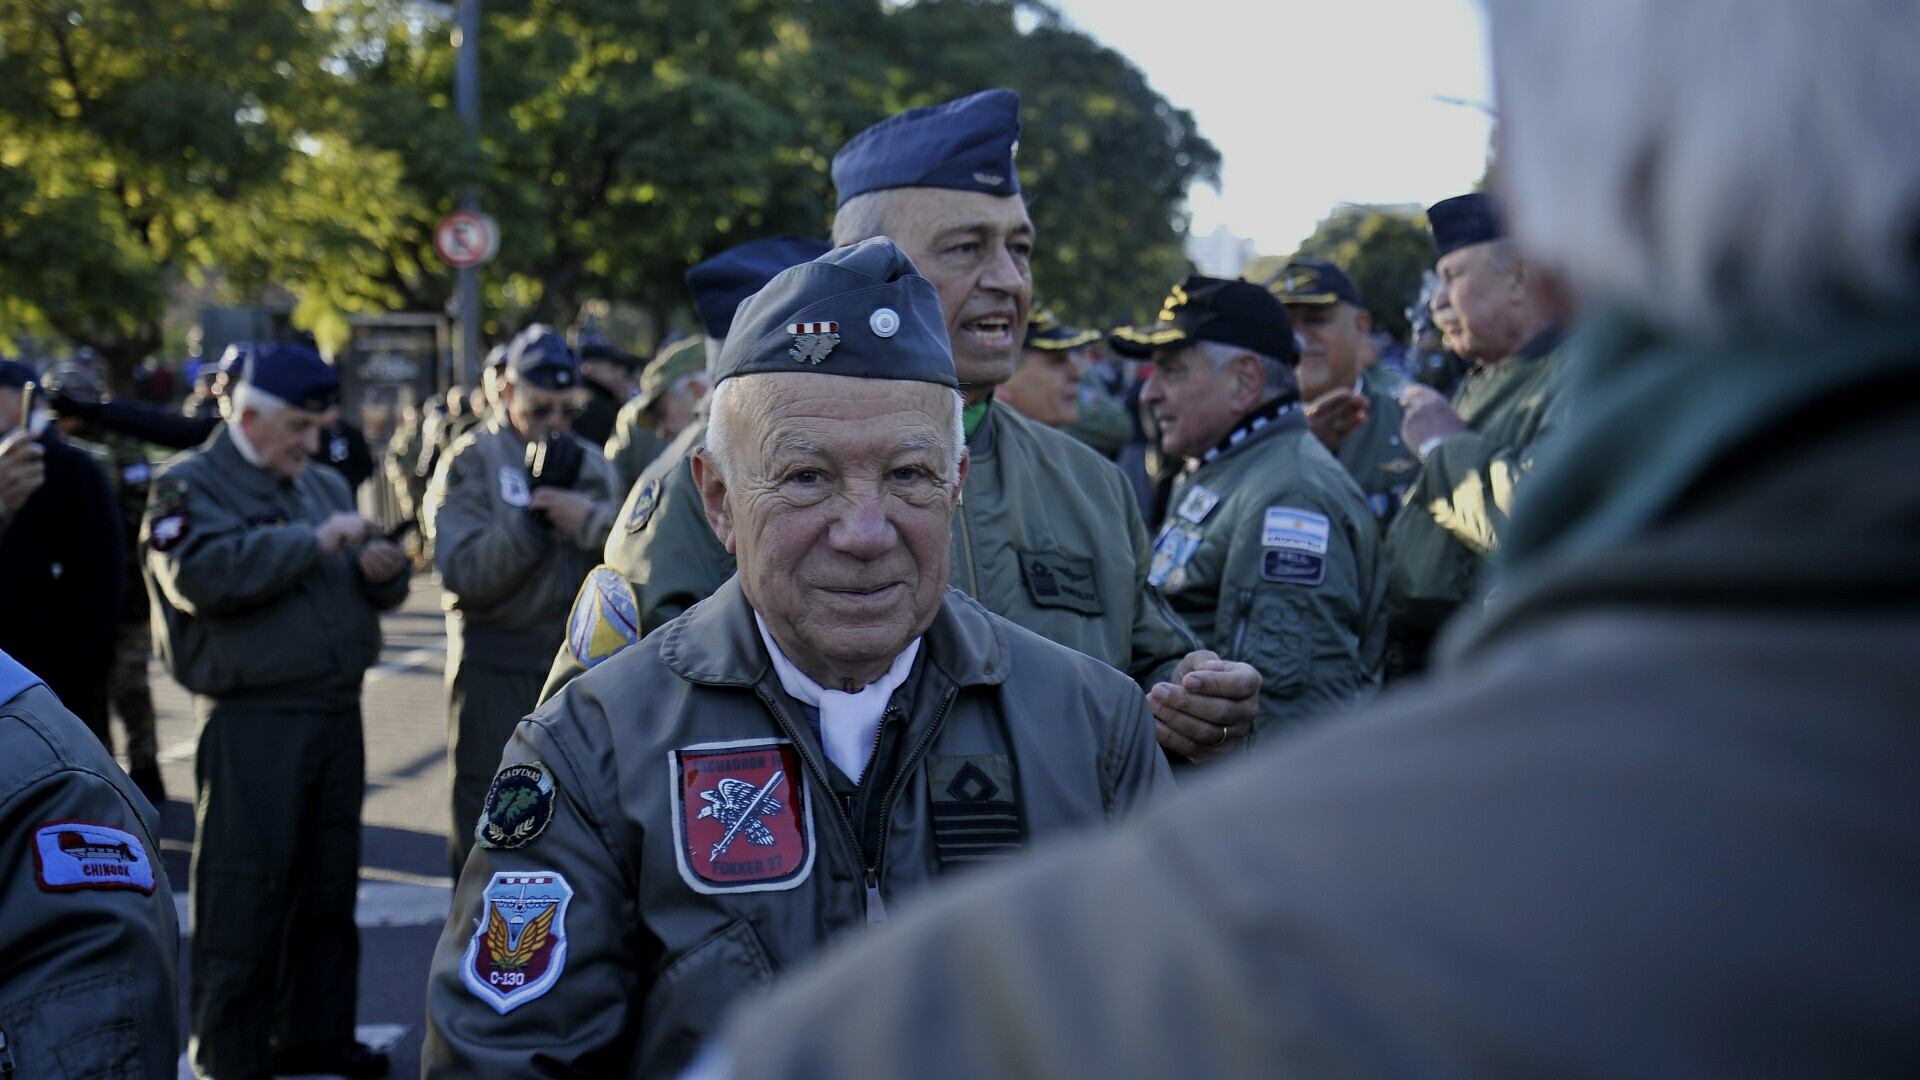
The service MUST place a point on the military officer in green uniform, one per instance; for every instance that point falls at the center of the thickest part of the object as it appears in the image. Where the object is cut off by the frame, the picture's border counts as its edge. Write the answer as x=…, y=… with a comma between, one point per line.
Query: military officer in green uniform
x=1269, y=553
x=1502, y=313
x=1047, y=533
x=271, y=587
x=1049, y=386
x=1350, y=410
x=516, y=511
x=671, y=389
x=805, y=752
x=89, y=941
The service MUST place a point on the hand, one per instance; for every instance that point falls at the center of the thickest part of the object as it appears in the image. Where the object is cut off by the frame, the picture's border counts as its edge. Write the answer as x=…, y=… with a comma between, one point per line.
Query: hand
x=381, y=561
x=1428, y=416
x=567, y=510
x=1335, y=415
x=340, y=531
x=1207, y=707
x=22, y=470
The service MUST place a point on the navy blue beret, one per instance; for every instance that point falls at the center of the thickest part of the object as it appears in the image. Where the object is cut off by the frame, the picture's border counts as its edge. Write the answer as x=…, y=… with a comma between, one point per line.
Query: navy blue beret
x=966, y=145
x=539, y=355
x=720, y=283
x=860, y=310
x=1463, y=221
x=14, y=374
x=292, y=372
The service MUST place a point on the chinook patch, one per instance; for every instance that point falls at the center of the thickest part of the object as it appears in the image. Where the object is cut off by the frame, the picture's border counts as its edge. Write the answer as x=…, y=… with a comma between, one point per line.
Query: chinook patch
x=644, y=501
x=605, y=617
x=519, y=944
x=742, y=819
x=69, y=856
x=518, y=809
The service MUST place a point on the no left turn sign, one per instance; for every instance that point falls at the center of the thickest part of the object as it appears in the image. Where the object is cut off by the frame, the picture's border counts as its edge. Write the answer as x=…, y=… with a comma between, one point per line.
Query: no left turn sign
x=465, y=239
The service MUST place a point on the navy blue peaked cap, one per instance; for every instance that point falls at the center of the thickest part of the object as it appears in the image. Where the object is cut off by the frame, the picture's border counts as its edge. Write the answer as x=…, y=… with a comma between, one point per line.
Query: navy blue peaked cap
x=14, y=374
x=965, y=145
x=290, y=371
x=720, y=283
x=539, y=355
x=861, y=310
x=1463, y=221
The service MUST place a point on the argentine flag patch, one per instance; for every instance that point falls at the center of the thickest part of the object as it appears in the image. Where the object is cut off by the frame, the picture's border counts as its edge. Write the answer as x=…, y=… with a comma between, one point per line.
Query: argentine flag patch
x=1294, y=546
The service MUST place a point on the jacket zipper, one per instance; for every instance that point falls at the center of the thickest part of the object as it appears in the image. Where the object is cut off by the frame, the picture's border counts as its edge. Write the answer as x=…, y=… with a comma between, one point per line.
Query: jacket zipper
x=966, y=544
x=826, y=785
x=874, y=903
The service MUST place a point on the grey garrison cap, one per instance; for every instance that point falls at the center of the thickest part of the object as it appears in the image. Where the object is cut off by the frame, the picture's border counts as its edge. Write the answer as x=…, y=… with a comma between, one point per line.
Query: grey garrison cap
x=861, y=310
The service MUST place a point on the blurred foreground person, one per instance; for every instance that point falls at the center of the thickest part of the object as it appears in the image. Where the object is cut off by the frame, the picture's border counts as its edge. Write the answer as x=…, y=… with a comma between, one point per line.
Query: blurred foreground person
x=89, y=941
x=672, y=389
x=839, y=730
x=1655, y=817
x=268, y=588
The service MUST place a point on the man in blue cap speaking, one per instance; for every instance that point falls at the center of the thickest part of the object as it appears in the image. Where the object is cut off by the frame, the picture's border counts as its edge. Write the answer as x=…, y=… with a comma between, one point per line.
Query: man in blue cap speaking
x=270, y=588
x=812, y=746
x=516, y=511
x=1049, y=535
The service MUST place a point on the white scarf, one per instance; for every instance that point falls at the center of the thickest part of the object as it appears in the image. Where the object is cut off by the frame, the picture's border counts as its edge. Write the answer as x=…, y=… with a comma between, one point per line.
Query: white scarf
x=848, y=722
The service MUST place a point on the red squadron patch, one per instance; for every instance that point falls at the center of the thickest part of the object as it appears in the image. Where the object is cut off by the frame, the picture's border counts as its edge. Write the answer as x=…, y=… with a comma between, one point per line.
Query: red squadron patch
x=742, y=820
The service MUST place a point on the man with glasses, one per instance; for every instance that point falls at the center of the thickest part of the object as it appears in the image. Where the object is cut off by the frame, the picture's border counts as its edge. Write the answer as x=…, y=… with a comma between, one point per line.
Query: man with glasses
x=517, y=513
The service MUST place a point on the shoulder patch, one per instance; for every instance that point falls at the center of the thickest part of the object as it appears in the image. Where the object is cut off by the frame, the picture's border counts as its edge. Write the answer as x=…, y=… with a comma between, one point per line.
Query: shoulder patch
x=518, y=809
x=1060, y=581
x=69, y=856
x=519, y=944
x=513, y=486
x=605, y=617
x=1293, y=529
x=742, y=816
x=644, y=501
x=1171, y=553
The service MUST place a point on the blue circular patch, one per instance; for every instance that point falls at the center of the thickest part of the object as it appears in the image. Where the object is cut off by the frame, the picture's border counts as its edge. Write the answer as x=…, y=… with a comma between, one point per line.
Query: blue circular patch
x=643, y=504
x=605, y=617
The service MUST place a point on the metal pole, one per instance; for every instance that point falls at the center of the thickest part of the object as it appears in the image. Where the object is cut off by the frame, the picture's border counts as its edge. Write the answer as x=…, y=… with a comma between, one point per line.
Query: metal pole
x=466, y=96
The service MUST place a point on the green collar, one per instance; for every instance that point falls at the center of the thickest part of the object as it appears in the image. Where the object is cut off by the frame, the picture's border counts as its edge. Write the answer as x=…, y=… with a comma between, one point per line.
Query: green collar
x=972, y=415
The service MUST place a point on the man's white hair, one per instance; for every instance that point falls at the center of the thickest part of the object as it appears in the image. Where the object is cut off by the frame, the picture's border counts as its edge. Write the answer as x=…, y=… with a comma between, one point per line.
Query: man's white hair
x=245, y=395
x=1279, y=377
x=866, y=216
x=722, y=415
x=1710, y=161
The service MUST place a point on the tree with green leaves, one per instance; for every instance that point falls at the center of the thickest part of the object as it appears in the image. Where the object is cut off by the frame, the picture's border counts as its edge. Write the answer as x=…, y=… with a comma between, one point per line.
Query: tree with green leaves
x=1385, y=252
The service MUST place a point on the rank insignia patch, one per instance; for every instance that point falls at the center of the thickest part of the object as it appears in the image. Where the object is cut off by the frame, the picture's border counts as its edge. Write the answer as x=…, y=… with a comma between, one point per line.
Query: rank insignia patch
x=513, y=486
x=518, y=809
x=1198, y=504
x=741, y=819
x=519, y=943
x=643, y=503
x=72, y=855
x=605, y=617
x=812, y=341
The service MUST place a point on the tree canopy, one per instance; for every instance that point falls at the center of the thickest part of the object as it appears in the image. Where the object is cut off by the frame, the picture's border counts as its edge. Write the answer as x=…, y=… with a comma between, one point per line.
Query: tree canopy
x=1385, y=252
x=307, y=151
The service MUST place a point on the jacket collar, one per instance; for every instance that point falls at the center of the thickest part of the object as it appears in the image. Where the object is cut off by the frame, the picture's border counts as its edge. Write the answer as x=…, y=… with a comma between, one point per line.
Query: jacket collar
x=715, y=642
x=234, y=468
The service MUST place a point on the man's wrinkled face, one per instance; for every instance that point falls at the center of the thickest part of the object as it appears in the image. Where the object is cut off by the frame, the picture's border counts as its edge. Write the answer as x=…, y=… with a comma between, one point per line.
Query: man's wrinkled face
x=975, y=249
x=1045, y=387
x=536, y=412
x=838, y=510
x=1195, y=403
x=1333, y=337
x=1477, y=303
x=285, y=439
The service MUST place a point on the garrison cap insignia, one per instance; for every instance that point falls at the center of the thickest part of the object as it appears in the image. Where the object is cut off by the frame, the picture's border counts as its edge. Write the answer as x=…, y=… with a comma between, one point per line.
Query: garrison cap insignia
x=812, y=341
x=644, y=501
x=518, y=809
x=605, y=617
x=69, y=856
x=519, y=943
x=742, y=820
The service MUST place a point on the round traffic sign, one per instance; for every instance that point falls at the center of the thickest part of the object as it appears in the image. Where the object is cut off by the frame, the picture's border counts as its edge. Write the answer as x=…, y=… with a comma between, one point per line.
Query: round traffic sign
x=465, y=239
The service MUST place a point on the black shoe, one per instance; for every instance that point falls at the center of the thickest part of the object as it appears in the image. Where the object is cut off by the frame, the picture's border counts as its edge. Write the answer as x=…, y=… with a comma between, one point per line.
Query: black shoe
x=147, y=779
x=356, y=1061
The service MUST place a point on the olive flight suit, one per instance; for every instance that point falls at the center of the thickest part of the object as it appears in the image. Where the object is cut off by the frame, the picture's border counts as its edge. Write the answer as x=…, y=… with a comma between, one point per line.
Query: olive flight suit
x=1375, y=455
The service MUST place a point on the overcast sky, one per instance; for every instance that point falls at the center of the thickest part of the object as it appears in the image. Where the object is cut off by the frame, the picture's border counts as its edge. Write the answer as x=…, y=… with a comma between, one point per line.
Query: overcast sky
x=1312, y=103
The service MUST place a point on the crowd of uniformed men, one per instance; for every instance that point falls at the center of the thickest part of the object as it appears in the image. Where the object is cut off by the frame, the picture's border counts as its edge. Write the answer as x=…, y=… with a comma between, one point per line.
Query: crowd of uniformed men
x=887, y=575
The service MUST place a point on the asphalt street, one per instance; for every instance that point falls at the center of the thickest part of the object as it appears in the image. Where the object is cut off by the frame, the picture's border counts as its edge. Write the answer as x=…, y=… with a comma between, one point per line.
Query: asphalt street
x=404, y=888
